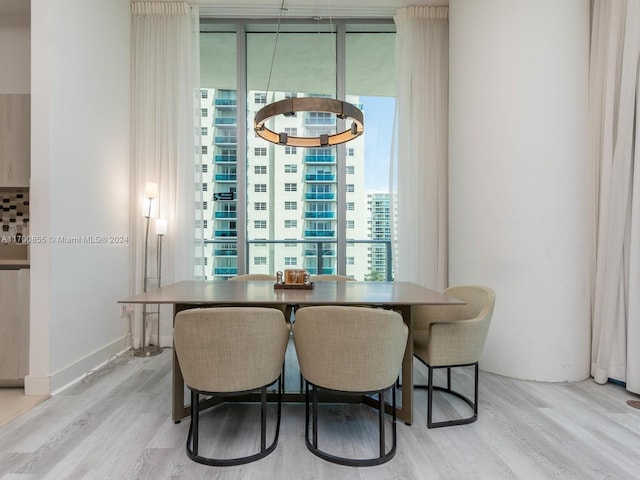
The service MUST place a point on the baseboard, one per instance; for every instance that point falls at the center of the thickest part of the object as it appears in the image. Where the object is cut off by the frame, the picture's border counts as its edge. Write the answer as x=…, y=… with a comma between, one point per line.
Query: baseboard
x=73, y=373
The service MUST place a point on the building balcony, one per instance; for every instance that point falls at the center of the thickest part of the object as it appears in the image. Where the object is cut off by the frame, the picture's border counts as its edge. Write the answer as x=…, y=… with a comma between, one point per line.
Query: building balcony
x=226, y=177
x=320, y=196
x=324, y=271
x=226, y=140
x=226, y=233
x=319, y=233
x=226, y=121
x=328, y=159
x=320, y=177
x=314, y=253
x=312, y=121
x=225, y=253
x=226, y=158
x=225, y=271
x=226, y=102
x=226, y=215
x=320, y=215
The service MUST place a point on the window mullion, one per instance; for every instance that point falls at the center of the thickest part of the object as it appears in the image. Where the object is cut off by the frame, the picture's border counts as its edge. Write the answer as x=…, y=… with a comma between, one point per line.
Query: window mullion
x=241, y=159
x=341, y=151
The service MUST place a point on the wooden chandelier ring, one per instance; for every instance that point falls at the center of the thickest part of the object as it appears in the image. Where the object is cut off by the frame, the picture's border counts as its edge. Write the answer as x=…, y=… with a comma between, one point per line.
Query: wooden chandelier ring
x=290, y=106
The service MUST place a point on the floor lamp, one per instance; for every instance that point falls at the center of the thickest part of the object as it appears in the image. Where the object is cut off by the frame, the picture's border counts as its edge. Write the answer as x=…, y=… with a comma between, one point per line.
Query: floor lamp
x=150, y=193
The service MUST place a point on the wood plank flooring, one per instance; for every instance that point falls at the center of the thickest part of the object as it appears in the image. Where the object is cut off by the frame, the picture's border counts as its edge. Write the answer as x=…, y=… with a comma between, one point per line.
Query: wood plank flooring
x=13, y=403
x=117, y=425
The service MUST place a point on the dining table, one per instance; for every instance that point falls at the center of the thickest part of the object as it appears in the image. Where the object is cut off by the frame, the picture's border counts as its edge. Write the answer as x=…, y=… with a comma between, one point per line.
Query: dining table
x=396, y=295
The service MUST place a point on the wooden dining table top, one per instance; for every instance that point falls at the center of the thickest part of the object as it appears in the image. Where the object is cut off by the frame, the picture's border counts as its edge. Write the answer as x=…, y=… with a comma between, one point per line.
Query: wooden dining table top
x=263, y=292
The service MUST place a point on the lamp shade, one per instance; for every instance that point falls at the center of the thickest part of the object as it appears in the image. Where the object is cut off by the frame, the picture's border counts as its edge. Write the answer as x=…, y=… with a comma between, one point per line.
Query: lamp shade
x=150, y=190
x=161, y=226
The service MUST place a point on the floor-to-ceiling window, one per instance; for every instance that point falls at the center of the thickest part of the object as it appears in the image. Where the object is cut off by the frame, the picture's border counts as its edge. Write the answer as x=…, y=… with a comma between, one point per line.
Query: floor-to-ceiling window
x=271, y=207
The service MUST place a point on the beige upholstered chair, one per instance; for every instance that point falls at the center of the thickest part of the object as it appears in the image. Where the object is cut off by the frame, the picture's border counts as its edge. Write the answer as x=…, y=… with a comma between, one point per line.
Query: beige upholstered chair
x=286, y=311
x=322, y=278
x=226, y=351
x=316, y=278
x=449, y=336
x=349, y=350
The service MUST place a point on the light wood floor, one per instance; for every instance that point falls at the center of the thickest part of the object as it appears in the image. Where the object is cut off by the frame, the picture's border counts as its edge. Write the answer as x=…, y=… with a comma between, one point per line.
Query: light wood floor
x=117, y=426
x=14, y=403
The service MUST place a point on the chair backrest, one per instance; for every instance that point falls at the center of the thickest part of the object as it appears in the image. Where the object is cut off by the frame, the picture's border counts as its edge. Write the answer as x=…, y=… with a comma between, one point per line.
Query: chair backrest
x=252, y=276
x=230, y=349
x=353, y=349
x=331, y=278
x=457, y=333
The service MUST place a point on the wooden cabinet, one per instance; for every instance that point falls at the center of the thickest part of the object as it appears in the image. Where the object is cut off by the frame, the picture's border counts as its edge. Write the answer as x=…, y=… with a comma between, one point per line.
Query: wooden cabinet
x=14, y=327
x=15, y=140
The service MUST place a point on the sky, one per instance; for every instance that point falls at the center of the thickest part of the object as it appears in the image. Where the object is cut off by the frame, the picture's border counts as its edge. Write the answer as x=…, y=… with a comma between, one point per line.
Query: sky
x=378, y=125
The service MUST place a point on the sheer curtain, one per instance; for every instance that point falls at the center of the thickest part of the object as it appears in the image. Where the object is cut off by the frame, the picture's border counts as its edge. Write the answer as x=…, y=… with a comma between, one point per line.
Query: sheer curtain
x=614, y=128
x=420, y=154
x=164, y=101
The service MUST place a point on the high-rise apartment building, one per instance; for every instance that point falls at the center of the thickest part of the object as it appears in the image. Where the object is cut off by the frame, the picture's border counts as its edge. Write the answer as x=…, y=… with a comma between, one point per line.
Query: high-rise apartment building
x=291, y=194
x=380, y=229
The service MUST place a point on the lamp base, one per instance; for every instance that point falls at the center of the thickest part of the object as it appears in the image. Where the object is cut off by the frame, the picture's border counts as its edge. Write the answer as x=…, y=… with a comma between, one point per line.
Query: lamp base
x=148, y=351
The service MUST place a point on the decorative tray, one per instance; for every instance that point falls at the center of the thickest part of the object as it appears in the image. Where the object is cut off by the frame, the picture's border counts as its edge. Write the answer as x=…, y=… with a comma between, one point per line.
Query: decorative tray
x=293, y=286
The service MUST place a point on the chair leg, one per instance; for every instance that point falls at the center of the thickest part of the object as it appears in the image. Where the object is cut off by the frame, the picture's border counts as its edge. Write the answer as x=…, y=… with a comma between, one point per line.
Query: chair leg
x=311, y=423
x=195, y=420
x=306, y=409
x=263, y=419
x=429, y=397
x=314, y=409
x=449, y=390
x=381, y=421
x=475, y=391
x=193, y=435
x=393, y=417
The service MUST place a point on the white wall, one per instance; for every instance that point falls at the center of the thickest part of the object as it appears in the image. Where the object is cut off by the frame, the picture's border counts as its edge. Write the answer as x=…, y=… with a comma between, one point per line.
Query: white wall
x=519, y=178
x=79, y=186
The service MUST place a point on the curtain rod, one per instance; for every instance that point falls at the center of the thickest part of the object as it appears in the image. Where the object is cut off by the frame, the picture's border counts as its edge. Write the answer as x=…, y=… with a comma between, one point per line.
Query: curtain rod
x=253, y=11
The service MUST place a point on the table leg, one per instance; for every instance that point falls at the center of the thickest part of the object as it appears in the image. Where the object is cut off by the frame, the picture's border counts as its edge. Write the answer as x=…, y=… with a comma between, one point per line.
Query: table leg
x=405, y=412
x=178, y=409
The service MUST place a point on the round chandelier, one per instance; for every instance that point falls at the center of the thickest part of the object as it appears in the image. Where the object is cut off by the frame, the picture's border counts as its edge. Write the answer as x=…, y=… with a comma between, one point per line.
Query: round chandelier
x=290, y=106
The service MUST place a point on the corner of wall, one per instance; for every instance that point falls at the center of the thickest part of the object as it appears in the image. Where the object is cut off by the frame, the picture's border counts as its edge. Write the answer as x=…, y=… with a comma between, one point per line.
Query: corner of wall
x=37, y=385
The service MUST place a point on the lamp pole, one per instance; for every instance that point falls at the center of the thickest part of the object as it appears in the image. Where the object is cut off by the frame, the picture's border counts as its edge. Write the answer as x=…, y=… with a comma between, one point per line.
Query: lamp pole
x=151, y=192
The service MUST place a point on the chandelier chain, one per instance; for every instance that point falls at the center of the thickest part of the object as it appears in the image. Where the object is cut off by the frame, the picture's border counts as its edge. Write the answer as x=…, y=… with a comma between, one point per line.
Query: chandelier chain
x=275, y=46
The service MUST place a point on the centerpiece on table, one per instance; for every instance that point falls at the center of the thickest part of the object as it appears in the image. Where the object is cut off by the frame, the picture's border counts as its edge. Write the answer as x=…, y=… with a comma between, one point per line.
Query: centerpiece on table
x=294, y=278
